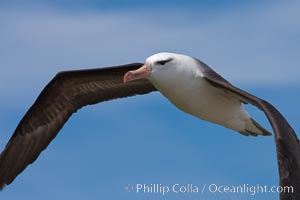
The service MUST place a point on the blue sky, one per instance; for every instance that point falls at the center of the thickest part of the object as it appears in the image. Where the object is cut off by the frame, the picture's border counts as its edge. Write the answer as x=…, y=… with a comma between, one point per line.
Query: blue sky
x=145, y=139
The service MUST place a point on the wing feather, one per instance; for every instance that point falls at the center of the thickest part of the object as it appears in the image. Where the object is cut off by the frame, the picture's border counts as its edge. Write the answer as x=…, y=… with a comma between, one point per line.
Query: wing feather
x=287, y=143
x=66, y=93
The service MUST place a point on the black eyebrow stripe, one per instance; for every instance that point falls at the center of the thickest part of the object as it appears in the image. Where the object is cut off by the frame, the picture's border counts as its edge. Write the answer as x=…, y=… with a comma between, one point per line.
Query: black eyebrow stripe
x=162, y=62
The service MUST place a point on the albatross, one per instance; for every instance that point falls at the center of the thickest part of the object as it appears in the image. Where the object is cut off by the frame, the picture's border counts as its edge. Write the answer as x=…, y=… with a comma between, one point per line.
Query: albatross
x=191, y=85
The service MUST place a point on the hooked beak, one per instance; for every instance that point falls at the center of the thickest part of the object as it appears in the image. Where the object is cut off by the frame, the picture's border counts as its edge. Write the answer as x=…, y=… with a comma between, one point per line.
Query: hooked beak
x=140, y=73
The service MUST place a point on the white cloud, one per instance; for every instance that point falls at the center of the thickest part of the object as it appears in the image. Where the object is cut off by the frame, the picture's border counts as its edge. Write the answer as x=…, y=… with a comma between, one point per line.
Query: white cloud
x=249, y=46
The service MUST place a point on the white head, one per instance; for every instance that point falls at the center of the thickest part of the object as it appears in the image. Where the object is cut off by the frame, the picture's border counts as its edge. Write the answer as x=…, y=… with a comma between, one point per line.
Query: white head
x=163, y=68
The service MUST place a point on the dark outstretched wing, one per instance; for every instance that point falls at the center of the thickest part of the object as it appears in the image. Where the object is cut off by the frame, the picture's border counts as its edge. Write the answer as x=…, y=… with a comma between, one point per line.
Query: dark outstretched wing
x=67, y=92
x=287, y=143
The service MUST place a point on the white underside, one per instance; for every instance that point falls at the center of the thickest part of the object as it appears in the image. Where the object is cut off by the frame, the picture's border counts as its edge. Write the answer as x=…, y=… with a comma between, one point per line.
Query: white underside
x=199, y=98
x=182, y=82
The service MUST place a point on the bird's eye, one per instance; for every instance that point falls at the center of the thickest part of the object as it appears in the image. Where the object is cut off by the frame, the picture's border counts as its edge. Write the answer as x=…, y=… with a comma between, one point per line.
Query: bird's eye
x=162, y=62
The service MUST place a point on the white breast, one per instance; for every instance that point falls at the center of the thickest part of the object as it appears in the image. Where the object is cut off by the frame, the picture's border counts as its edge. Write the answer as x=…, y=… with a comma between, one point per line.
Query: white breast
x=182, y=82
x=191, y=93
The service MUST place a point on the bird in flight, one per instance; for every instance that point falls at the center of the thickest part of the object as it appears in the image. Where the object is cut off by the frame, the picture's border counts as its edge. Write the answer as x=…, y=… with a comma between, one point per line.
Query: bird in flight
x=187, y=82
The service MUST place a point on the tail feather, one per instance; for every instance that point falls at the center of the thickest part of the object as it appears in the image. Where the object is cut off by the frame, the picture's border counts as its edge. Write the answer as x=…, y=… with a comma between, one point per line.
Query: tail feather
x=247, y=133
x=254, y=129
x=264, y=131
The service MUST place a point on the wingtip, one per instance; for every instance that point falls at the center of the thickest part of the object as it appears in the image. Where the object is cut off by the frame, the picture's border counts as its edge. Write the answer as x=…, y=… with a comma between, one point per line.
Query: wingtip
x=2, y=185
